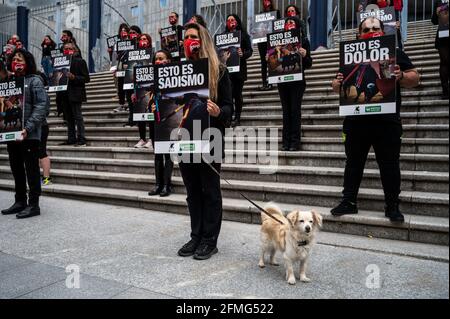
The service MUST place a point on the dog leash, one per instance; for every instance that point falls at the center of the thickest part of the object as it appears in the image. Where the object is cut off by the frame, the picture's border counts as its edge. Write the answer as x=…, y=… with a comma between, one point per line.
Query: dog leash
x=248, y=199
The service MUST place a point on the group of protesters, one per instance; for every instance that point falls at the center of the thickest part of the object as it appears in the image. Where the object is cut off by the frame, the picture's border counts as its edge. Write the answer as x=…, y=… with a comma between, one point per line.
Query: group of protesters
x=225, y=106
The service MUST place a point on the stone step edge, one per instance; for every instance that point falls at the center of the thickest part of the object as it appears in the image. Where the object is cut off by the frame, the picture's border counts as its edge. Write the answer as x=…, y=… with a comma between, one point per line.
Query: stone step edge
x=407, y=197
x=434, y=225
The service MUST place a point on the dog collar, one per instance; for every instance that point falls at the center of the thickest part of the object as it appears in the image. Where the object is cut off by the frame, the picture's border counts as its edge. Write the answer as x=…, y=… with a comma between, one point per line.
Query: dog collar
x=302, y=243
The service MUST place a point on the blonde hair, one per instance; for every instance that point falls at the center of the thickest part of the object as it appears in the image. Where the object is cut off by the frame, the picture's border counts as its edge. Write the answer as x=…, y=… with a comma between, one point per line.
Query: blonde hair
x=208, y=50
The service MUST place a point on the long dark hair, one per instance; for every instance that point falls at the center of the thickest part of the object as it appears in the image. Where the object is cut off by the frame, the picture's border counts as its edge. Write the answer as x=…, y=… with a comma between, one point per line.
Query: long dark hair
x=52, y=43
x=29, y=61
x=239, y=26
x=123, y=26
x=200, y=20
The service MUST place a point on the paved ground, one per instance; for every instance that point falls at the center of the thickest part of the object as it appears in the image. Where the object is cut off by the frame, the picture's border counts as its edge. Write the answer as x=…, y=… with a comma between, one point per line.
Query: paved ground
x=131, y=253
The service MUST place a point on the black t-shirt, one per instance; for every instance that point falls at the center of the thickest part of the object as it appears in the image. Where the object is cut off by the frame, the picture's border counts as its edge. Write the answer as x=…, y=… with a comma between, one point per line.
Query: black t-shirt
x=405, y=64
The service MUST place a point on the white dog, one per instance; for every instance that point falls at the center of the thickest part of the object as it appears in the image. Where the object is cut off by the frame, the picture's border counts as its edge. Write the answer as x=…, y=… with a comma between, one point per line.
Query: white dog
x=294, y=237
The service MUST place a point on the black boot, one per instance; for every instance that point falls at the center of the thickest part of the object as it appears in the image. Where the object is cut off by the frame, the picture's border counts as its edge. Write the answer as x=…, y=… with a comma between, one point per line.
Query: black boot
x=159, y=171
x=237, y=121
x=168, y=169
x=31, y=210
x=392, y=211
x=16, y=208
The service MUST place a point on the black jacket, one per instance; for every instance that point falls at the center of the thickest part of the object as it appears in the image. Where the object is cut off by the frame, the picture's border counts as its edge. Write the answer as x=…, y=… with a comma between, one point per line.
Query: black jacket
x=247, y=50
x=77, y=86
x=440, y=42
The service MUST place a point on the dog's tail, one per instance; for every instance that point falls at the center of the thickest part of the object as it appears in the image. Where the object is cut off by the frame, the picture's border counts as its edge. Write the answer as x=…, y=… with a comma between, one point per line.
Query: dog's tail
x=272, y=209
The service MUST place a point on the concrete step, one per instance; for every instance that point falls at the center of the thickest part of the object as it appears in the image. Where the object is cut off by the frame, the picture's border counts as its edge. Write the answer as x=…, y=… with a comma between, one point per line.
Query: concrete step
x=292, y=193
x=421, y=146
x=417, y=228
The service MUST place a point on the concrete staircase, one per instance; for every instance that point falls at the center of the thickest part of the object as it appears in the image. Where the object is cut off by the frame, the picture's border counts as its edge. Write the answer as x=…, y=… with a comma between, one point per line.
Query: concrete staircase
x=109, y=170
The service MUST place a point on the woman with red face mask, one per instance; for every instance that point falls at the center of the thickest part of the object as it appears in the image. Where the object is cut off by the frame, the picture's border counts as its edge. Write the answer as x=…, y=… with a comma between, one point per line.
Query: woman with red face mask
x=133, y=35
x=163, y=163
x=382, y=132
x=24, y=154
x=73, y=98
x=291, y=93
x=144, y=42
x=294, y=11
x=123, y=34
x=441, y=44
x=48, y=45
x=204, y=196
x=238, y=79
x=268, y=6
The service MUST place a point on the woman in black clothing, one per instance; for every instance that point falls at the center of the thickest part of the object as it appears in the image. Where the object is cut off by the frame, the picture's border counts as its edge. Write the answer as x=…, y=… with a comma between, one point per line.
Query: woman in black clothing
x=441, y=12
x=48, y=45
x=124, y=31
x=291, y=93
x=268, y=6
x=163, y=163
x=238, y=79
x=24, y=154
x=204, y=196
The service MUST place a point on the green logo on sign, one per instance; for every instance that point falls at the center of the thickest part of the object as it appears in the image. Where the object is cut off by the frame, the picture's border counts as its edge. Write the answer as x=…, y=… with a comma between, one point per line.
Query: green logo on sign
x=373, y=109
x=151, y=117
x=10, y=137
x=289, y=78
x=187, y=147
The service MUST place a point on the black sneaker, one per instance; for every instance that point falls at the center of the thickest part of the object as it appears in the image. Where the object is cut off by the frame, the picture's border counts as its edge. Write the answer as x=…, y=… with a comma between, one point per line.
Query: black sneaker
x=81, y=144
x=188, y=249
x=68, y=143
x=205, y=251
x=345, y=208
x=393, y=213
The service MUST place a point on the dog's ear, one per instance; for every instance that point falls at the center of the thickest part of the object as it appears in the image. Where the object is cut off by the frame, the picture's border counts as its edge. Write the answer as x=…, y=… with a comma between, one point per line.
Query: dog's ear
x=293, y=217
x=317, y=218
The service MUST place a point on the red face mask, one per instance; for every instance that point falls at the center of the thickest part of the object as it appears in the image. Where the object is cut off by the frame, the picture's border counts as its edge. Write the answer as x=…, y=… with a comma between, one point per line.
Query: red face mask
x=231, y=25
x=191, y=47
x=291, y=14
x=143, y=44
x=133, y=36
x=371, y=35
x=19, y=46
x=18, y=68
x=47, y=42
x=267, y=4
x=289, y=26
x=68, y=52
x=158, y=62
x=124, y=34
x=64, y=39
x=172, y=20
x=13, y=41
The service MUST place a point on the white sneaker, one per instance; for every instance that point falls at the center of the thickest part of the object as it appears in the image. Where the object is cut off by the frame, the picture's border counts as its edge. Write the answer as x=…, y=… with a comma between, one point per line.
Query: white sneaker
x=148, y=145
x=140, y=144
x=119, y=109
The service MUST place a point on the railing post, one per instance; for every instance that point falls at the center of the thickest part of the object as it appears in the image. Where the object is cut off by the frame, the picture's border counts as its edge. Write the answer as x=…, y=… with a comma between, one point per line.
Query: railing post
x=250, y=13
x=404, y=20
x=95, y=29
x=58, y=24
x=22, y=24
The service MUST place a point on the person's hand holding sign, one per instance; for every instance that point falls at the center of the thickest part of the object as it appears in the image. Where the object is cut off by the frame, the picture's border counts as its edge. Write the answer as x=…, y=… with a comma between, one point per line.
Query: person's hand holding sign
x=213, y=109
x=303, y=52
x=70, y=76
x=241, y=54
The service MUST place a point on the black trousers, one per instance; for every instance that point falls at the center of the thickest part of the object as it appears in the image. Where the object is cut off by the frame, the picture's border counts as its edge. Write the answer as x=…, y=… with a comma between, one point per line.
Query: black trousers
x=237, y=86
x=163, y=162
x=24, y=162
x=204, y=200
x=443, y=69
x=262, y=48
x=291, y=96
x=74, y=117
x=122, y=93
x=143, y=130
x=385, y=137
